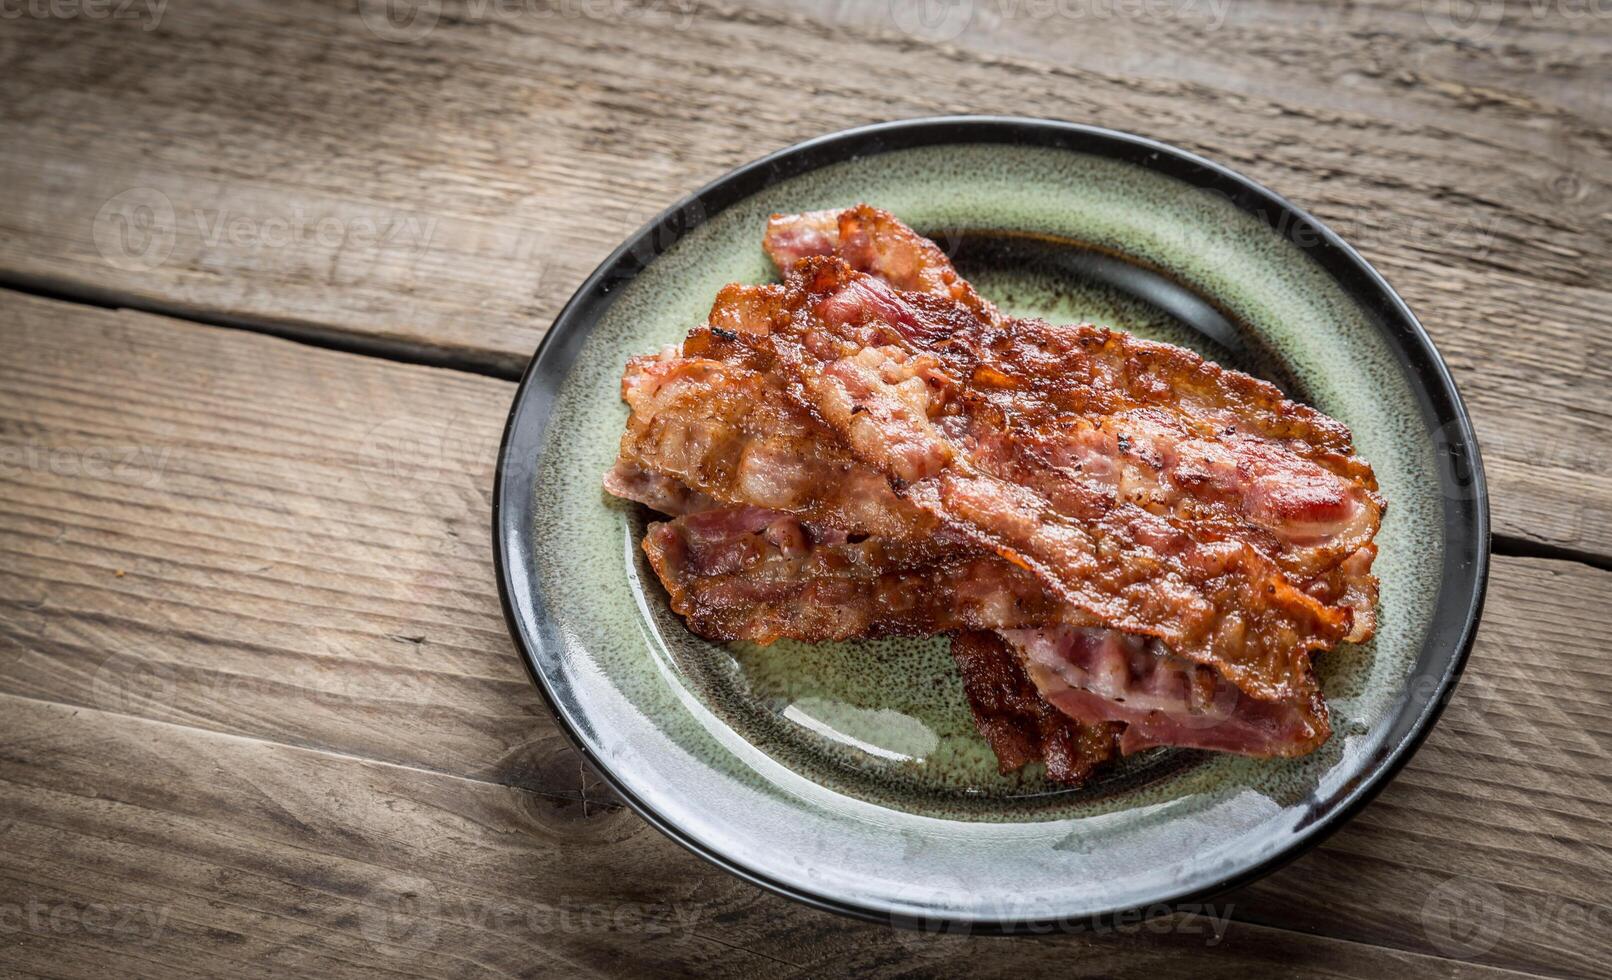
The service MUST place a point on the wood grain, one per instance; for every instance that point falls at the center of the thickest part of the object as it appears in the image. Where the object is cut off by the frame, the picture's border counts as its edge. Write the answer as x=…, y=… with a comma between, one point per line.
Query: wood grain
x=1505, y=807
x=298, y=172
x=209, y=530
x=165, y=851
x=211, y=527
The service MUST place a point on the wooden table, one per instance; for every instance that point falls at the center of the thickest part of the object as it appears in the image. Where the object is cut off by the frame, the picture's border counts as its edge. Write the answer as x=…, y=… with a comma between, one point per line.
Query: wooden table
x=271, y=267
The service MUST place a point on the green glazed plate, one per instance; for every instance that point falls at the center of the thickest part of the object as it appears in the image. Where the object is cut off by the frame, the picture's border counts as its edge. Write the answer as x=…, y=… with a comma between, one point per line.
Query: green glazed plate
x=849, y=775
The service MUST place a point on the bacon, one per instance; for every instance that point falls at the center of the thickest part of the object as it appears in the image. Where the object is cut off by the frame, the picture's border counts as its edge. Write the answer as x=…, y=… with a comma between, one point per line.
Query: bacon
x=873, y=449
x=731, y=434
x=749, y=573
x=792, y=237
x=754, y=574
x=656, y=491
x=1019, y=724
x=1350, y=585
x=1096, y=675
x=876, y=243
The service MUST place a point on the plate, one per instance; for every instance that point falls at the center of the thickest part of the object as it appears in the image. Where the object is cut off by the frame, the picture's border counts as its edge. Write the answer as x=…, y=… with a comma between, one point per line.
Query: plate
x=849, y=776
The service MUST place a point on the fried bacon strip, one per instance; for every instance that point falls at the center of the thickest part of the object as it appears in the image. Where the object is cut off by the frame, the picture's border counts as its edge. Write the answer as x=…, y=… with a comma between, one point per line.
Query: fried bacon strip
x=754, y=574
x=1097, y=676
x=876, y=243
x=731, y=434
x=1020, y=725
x=748, y=573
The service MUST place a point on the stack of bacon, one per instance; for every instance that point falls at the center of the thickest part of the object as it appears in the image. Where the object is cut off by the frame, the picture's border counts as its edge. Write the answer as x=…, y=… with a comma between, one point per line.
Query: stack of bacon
x=1131, y=546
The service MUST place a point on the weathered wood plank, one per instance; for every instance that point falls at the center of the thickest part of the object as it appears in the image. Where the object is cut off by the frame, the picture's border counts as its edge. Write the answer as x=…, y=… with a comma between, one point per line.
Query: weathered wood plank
x=305, y=174
x=213, y=527
x=1411, y=63
x=280, y=560
x=162, y=851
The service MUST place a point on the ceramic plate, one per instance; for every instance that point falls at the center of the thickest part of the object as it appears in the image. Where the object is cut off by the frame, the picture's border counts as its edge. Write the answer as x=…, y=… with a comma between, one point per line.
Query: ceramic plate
x=849, y=775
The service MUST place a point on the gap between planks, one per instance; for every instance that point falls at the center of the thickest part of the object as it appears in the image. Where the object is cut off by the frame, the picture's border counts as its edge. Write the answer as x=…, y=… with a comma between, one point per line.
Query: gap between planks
x=1513, y=546
x=485, y=363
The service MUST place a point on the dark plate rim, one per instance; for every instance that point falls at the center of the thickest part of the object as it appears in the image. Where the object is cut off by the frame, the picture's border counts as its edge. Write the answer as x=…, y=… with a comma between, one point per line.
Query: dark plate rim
x=1459, y=605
